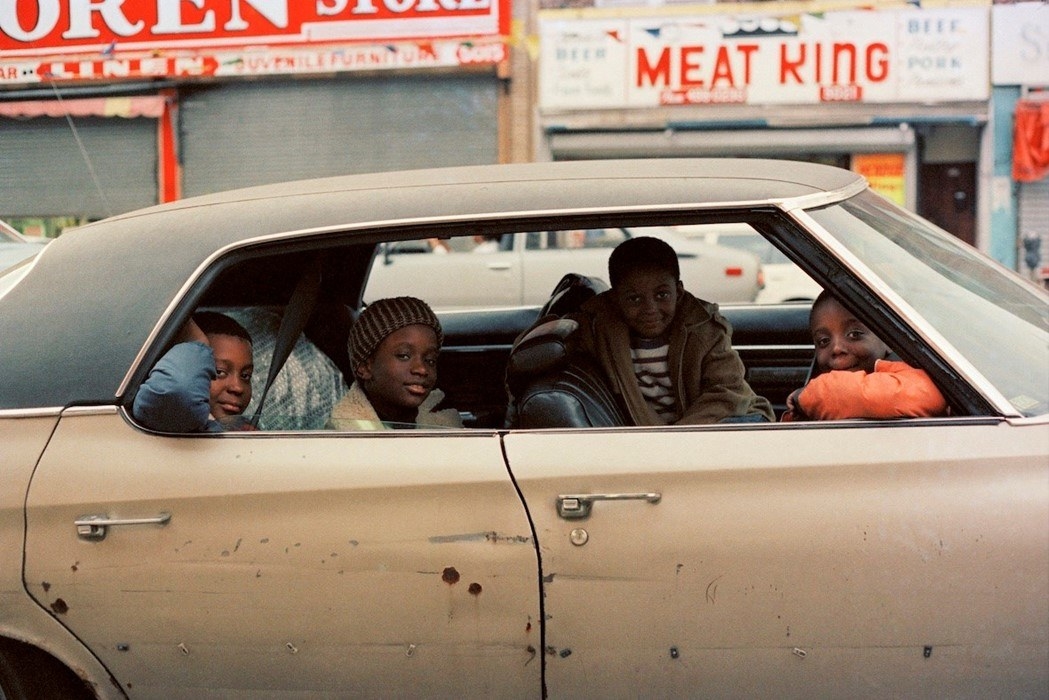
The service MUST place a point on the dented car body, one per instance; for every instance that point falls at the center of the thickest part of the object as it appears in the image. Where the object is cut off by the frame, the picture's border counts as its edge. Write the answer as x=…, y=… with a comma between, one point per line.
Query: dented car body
x=877, y=558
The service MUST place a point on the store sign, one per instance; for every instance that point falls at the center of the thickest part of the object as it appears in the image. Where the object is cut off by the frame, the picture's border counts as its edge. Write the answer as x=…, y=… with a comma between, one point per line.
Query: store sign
x=855, y=56
x=1020, y=44
x=111, y=39
x=886, y=173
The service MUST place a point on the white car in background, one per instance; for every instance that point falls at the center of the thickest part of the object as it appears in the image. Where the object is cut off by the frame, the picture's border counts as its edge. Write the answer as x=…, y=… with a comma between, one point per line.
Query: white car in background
x=784, y=281
x=14, y=247
x=523, y=268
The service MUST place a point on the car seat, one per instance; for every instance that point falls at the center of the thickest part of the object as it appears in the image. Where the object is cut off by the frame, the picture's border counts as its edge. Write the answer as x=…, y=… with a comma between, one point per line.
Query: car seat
x=553, y=384
x=308, y=385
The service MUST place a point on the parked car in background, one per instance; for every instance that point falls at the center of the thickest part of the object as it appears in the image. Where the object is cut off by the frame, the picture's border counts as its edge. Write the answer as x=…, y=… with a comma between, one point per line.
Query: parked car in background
x=14, y=247
x=904, y=558
x=521, y=268
x=784, y=280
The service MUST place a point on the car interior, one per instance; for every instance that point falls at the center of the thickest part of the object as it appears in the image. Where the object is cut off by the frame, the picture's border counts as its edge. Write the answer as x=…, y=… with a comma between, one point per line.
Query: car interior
x=498, y=367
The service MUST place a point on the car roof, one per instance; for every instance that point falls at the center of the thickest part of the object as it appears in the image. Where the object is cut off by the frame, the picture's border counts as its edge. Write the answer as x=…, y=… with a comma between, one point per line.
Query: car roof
x=76, y=323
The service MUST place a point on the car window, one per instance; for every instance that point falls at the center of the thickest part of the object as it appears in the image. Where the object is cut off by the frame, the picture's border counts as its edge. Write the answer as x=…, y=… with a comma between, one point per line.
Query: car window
x=572, y=239
x=522, y=268
x=963, y=295
x=755, y=243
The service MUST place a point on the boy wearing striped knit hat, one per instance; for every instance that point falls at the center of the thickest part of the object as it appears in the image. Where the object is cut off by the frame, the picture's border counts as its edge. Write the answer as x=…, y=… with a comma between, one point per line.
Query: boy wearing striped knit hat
x=393, y=347
x=667, y=354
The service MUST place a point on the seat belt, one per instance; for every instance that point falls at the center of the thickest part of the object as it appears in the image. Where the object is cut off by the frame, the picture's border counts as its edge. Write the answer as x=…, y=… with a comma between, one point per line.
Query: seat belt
x=296, y=314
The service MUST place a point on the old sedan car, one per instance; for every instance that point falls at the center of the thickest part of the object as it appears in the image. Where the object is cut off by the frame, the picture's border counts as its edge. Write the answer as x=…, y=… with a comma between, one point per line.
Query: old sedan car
x=521, y=268
x=844, y=558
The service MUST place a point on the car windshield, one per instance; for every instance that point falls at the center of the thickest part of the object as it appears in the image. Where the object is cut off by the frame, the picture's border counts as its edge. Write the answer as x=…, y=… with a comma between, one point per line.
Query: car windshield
x=962, y=294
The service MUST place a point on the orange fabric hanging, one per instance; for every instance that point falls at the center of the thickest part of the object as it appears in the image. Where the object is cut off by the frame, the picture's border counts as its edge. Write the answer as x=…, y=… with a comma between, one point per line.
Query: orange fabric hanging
x=1031, y=141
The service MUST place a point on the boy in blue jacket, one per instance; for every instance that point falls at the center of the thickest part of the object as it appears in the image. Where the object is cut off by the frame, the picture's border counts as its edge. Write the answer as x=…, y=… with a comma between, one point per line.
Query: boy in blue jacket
x=203, y=383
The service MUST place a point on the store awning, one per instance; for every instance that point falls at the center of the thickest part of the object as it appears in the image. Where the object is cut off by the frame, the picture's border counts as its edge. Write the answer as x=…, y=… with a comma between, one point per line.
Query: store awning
x=137, y=106
x=1031, y=140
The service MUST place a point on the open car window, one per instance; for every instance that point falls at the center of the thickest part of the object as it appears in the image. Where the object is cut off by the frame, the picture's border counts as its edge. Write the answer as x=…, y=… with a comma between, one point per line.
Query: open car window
x=963, y=295
x=485, y=303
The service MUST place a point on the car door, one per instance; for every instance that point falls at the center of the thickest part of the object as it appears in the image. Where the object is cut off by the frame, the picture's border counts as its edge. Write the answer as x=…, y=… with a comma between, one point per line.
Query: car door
x=388, y=563
x=457, y=279
x=793, y=560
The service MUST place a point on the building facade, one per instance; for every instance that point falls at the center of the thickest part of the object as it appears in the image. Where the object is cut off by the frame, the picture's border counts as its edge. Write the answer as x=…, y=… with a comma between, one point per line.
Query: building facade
x=107, y=107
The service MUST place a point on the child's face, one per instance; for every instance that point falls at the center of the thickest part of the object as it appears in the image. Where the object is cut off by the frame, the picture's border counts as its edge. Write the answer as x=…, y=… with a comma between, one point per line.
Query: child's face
x=842, y=342
x=401, y=372
x=647, y=299
x=234, y=364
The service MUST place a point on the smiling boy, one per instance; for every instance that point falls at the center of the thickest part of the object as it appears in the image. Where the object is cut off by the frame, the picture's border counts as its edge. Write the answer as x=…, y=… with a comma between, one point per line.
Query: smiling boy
x=856, y=377
x=203, y=383
x=667, y=354
x=394, y=347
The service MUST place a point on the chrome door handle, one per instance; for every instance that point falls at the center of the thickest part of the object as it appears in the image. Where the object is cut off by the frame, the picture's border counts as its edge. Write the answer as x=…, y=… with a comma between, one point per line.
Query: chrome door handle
x=577, y=505
x=93, y=527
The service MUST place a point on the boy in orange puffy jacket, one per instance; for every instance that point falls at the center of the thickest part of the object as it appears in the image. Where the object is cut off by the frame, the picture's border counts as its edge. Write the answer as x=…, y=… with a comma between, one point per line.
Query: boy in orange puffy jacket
x=857, y=380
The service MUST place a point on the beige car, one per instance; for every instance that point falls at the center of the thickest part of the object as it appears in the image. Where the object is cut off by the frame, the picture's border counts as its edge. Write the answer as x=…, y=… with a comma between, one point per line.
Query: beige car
x=584, y=558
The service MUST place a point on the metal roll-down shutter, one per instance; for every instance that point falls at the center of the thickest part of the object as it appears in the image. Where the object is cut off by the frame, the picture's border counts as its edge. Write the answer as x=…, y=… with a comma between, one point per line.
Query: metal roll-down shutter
x=241, y=134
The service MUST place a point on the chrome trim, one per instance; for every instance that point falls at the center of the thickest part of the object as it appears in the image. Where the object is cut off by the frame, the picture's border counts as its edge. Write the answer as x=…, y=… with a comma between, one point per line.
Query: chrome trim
x=93, y=527
x=576, y=506
x=819, y=199
x=930, y=335
x=16, y=413
x=91, y=411
x=476, y=349
x=1026, y=421
x=778, y=348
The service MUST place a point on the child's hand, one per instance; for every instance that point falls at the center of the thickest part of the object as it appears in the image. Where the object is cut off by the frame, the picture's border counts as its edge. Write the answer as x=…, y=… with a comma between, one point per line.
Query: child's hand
x=794, y=409
x=191, y=332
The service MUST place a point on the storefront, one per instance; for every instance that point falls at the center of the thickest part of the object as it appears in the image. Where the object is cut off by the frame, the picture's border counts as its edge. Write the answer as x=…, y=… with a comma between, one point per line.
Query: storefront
x=1020, y=75
x=107, y=107
x=900, y=94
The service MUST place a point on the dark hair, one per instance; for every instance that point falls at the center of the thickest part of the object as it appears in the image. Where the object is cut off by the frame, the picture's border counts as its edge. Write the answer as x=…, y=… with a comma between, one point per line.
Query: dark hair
x=214, y=323
x=642, y=253
x=821, y=299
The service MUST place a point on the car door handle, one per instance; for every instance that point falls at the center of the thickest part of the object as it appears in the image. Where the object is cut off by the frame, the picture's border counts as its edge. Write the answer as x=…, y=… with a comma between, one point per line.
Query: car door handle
x=499, y=266
x=93, y=527
x=577, y=505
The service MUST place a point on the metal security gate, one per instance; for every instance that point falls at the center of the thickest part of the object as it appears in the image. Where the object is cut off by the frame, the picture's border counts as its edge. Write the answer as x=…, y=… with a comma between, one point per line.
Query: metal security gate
x=1033, y=224
x=241, y=134
x=107, y=165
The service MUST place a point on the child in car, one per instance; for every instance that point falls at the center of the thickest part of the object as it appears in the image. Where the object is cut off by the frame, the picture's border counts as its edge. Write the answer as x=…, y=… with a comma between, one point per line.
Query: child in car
x=203, y=383
x=393, y=348
x=856, y=377
x=667, y=354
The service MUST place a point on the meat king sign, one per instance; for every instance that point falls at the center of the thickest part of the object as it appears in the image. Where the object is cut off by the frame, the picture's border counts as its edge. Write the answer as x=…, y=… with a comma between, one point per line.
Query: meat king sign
x=848, y=56
x=111, y=39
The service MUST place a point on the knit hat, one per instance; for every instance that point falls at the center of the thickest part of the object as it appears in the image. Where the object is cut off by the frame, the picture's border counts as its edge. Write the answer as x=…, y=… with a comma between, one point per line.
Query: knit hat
x=385, y=316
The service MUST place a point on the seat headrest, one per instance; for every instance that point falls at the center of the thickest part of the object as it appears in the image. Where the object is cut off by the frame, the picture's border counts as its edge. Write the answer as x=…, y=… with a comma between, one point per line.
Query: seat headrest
x=543, y=349
x=571, y=291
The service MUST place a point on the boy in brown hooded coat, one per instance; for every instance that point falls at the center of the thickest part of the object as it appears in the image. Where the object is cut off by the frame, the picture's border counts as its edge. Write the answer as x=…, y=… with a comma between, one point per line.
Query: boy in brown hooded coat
x=667, y=354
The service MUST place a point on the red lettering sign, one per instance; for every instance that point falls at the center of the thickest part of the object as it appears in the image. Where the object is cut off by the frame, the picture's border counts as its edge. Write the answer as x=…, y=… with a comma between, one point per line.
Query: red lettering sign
x=692, y=67
x=39, y=27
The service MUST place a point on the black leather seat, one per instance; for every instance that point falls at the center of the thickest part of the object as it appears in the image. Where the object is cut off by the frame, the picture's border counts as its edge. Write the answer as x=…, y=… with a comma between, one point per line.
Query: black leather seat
x=551, y=383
